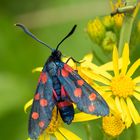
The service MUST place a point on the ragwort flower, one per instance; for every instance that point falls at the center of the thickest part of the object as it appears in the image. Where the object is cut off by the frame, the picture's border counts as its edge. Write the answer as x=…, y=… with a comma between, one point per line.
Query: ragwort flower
x=121, y=87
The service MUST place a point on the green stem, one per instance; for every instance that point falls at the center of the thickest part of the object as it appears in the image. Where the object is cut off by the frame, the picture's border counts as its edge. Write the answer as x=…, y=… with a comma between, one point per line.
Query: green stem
x=88, y=130
x=126, y=29
x=125, y=32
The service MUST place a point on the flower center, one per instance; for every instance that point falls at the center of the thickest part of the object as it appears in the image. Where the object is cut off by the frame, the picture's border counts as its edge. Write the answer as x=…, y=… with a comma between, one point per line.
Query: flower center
x=56, y=122
x=113, y=125
x=122, y=86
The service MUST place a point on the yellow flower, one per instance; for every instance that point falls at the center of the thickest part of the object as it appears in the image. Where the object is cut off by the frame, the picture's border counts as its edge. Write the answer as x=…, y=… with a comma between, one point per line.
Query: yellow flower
x=118, y=18
x=96, y=30
x=108, y=22
x=109, y=41
x=120, y=87
x=56, y=128
x=113, y=125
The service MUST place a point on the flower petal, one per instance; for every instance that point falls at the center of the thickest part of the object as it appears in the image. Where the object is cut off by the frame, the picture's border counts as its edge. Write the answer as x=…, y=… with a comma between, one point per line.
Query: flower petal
x=125, y=59
x=137, y=88
x=118, y=104
x=136, y=80
x=115, y=61
x=80, y=117
x=110, y=101
x=59, y=136
x=133, y=68
x=38, y=69
x=68, y=134
x=109, y=66
x=95, y=77
x=88, y=57
x=127, y=119
x=136, y=95
x=134, y=114
x=98, y=70
x=106, y=88
x=28, y=104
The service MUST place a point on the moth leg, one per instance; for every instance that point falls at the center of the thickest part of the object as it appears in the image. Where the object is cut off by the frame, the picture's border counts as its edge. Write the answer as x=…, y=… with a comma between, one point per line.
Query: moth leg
x=71, y=58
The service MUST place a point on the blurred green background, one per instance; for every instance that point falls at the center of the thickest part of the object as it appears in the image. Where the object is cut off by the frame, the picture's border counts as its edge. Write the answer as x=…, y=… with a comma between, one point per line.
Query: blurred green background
x=50, y=21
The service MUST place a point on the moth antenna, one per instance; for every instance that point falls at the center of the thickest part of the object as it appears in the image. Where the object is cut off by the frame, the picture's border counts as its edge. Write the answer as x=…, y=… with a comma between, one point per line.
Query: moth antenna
x=69, y=34
x=32, y=35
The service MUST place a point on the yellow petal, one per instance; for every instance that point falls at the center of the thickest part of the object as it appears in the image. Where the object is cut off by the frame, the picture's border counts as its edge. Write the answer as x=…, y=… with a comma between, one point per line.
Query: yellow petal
x=109, y=66
x=95, y=77
x=28, y=104
x=115, y=61
x=106, y=88
x=136, y=95
x=96, y=69
x=68, y=134
x=137, y=88
x=28, y=139
x=133, y=68
x=59, y=136
x=38, y=69
x=80, y=117
x=88, y=57
x=106, y=94
x=136, y=80
x=134, y=114
x=125, y=59
x=118, y=104
x=47, y=137
x=110, y=101
x=127, y=116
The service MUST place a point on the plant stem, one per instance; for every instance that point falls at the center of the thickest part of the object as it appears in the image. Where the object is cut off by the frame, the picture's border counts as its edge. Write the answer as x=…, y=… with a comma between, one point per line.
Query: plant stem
x=126, y=29
x=125, y=32
x=88, y=129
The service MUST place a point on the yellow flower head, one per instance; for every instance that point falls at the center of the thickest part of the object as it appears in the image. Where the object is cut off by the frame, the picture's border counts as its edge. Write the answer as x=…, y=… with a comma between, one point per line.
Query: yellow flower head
x=109, y=41
x=120, y=87
x=108, y=22
x=113, y=125
x=118, y=18
x=96, y=30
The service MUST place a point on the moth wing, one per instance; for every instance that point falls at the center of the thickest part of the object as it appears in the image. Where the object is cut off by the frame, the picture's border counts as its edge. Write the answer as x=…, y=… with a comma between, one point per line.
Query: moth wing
x=43, y=104
x=81, y=93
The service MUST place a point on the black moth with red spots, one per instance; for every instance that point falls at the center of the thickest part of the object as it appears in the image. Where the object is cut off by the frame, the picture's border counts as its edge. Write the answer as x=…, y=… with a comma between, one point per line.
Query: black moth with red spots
x=59, y=85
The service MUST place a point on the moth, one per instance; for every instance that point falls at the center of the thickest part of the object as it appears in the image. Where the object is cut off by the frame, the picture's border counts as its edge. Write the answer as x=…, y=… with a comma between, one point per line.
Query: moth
x=61, y=86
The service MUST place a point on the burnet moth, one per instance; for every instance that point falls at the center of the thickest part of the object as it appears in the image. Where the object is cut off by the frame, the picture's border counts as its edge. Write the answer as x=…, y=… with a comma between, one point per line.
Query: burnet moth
x=59, y=85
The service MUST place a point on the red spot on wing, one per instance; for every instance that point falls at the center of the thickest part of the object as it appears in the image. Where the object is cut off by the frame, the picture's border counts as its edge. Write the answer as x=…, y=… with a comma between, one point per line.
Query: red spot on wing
x=37, y=96
x=91, y=108
x=78, y=92
x=92, y=96
x=64, y=73
x=43, y=78
x=80, y=82
x=63, y=104
x=43, y=102
x=35, y=115
x=68, y=68
x=41, y=124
